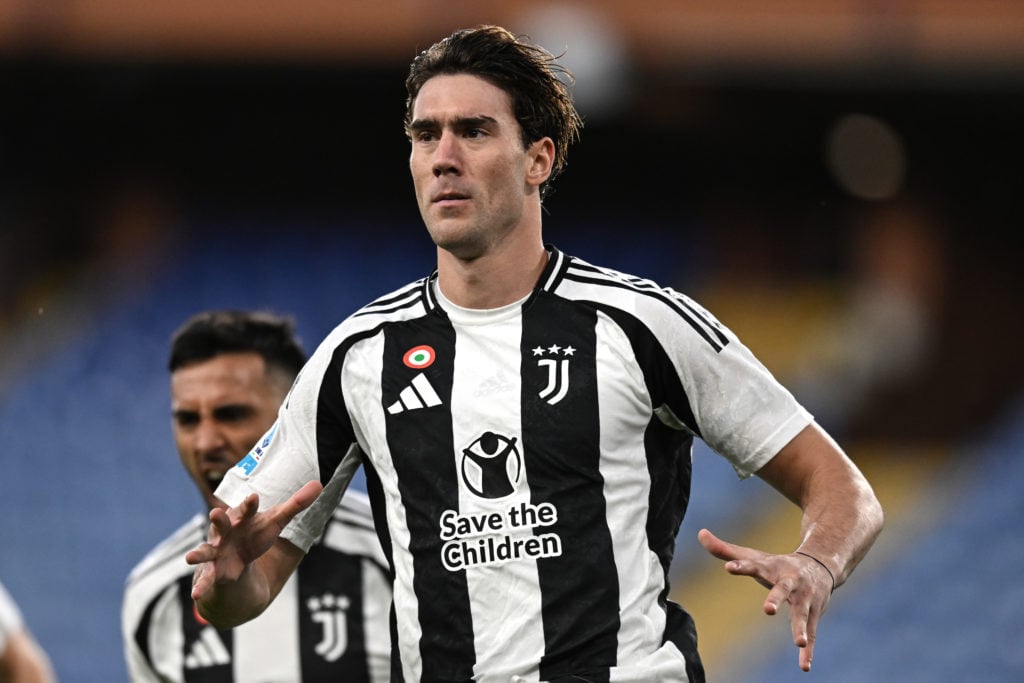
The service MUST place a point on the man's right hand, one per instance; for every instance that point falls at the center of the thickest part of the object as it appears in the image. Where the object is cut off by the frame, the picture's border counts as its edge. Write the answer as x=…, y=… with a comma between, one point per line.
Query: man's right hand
x=238, y=537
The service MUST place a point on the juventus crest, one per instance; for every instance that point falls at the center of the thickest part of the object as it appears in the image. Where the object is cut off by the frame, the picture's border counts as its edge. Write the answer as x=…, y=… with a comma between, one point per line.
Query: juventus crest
x=329, y=611
x=555, y=359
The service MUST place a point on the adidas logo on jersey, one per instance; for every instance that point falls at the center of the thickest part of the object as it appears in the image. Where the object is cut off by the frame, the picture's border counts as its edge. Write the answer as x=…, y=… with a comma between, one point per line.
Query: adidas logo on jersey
x=208, y=650
x=419, y=394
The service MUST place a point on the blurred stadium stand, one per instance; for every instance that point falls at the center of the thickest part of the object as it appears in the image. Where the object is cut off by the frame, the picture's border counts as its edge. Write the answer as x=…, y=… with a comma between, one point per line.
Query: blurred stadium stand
x=158, y=159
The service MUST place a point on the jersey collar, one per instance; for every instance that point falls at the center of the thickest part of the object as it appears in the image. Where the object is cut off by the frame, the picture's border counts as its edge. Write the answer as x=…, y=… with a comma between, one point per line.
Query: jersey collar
x=549, y=279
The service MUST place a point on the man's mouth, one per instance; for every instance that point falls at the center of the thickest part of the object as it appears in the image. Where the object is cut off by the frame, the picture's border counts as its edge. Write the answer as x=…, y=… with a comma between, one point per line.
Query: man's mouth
x=214, y=478
x=449, y=197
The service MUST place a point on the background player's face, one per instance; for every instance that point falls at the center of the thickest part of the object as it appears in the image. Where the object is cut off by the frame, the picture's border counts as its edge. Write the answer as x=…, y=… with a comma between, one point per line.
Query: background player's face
x=220, y=408
x=468, y=163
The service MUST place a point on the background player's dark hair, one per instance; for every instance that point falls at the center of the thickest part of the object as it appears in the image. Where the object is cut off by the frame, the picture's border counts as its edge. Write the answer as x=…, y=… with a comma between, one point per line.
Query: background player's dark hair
x=541, y=101
x=211, y=333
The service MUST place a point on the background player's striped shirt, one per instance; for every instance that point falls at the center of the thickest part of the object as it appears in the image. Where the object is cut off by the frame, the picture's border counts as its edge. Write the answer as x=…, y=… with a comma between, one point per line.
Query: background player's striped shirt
x=532, y=464
x=329, y=623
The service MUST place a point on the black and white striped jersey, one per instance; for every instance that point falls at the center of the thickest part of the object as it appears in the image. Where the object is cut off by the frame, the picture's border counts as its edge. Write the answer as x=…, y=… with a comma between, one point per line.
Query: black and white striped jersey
x=329, y=623
x=532, y=464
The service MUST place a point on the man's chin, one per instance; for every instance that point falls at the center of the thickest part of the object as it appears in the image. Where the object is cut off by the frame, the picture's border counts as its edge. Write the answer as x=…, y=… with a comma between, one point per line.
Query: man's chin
x=459, y=243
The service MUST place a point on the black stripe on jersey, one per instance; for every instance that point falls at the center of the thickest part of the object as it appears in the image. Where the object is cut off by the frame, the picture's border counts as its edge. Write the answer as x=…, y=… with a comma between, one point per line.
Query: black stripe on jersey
x=407, y=296
x=681, y=631
x=670, y=467
x=192, y=629
x=334, y=432
x=429, y=297
x=659, y=373
x=562, y=454
x=142, y=631
x=332, y=638
x=375, y=491
x=695, y=318
x=554, y=270
x=421, y=445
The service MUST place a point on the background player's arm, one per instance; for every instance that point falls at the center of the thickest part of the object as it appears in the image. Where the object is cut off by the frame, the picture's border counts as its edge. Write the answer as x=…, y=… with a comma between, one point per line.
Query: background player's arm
x=23, y=661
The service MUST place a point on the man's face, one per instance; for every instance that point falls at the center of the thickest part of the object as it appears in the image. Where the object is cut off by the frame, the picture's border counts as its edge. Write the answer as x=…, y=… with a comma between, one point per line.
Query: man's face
x=468, y=163
x=220, y=408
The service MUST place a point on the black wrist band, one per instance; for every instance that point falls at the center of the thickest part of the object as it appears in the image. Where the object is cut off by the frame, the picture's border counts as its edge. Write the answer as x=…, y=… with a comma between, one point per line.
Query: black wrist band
x=823, y=566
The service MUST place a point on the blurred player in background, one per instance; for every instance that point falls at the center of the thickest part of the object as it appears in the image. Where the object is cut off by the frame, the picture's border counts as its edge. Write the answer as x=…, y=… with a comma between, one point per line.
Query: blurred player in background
x=22, y=660
x=230, y=371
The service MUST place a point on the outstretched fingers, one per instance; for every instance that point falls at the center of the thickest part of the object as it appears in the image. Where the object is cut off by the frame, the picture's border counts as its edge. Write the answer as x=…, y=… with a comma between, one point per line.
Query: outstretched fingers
x=723, y=550
x=301, y=500
x=790, y=580
x=740, y=560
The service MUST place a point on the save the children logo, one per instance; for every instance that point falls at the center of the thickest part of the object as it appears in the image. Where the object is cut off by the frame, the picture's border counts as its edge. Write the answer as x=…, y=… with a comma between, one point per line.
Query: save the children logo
x=488, y=538
x=492, y=465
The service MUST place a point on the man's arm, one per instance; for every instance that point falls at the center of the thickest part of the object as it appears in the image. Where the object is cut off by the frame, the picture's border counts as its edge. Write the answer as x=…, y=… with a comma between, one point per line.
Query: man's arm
x=841, y=520
x=24, y=661
x=245, y=563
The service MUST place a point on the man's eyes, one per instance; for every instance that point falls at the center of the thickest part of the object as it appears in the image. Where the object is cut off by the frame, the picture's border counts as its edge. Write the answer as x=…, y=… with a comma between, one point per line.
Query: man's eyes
x=186, y=419
x=431, y=136
x=227, y=414
x=232, y=413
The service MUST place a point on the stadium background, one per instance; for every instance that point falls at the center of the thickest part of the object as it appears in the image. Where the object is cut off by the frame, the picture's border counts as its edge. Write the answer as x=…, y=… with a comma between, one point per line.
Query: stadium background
x=838, y=181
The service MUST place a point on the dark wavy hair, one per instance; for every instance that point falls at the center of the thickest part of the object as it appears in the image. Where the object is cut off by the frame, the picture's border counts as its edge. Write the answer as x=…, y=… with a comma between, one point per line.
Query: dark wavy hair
x=211, y=333
x=541, y=100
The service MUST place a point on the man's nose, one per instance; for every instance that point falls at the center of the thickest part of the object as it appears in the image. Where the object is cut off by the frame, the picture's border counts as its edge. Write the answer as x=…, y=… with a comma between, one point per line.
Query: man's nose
x=447, y=155
x=208, y=437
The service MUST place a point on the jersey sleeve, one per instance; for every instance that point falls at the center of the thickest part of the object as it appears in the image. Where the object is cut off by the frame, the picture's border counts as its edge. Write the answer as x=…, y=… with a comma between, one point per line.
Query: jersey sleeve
x=288, y=455
x=741, y=411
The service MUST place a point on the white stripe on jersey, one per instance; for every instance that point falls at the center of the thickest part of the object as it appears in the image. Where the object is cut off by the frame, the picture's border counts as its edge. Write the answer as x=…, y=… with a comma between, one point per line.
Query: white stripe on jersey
x=366, y=360
x=279, y=624
x=502, y=596
x=627, y=490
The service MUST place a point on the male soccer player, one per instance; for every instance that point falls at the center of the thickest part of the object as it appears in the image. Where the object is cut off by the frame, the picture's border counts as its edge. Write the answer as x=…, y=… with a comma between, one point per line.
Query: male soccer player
x=230, y=371
x=525, y=421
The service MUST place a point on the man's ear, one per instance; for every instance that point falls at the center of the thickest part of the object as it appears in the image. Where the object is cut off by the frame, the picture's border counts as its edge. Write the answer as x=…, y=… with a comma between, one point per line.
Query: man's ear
x=540, y=161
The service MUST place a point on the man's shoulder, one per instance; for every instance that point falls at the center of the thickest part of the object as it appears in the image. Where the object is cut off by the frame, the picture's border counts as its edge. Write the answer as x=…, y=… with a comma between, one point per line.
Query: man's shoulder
x=167, y=558
x=583, y=274
x=408, y=301
x=405, y=303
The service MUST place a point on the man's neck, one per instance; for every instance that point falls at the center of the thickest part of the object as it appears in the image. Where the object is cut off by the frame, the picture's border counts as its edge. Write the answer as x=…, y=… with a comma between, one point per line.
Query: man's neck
x=493, y=280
